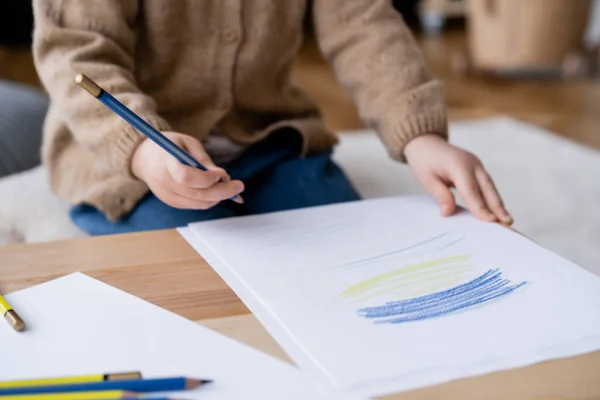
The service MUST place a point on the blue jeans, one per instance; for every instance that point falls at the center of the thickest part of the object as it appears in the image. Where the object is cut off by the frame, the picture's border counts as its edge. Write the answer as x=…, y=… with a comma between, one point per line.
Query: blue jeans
x=275, y=176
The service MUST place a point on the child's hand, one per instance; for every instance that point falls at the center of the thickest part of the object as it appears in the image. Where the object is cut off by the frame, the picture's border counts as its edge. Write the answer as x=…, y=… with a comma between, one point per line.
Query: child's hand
x=178, y=185
x=439, y=166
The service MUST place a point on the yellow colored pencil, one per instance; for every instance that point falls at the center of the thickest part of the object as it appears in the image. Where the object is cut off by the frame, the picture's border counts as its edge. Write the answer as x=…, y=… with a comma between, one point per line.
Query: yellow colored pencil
x=70, y=379
x=98, y=395
x=11, y=315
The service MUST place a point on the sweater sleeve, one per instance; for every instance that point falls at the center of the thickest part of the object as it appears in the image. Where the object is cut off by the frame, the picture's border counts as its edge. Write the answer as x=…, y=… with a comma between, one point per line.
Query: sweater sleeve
x=96, y=38
x=375, y=57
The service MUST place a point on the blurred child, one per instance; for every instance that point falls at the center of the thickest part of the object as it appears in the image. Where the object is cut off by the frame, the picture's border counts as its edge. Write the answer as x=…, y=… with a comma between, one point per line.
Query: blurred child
x=214, y=76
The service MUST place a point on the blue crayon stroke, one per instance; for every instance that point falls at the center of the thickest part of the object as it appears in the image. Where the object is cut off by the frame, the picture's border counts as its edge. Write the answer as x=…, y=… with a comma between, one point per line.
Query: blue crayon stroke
x=459, y=307
x=452, y=294
x=483, y=289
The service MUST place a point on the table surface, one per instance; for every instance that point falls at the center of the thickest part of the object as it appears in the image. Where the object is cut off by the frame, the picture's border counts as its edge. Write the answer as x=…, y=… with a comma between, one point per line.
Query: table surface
x=162, y=268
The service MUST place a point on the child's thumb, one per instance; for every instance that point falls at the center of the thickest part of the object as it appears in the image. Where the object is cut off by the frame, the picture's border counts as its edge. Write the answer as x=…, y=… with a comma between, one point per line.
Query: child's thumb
x=196, y=150
x=442, y=194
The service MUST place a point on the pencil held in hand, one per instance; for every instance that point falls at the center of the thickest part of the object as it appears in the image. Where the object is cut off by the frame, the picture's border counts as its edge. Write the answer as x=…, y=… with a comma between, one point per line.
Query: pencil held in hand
x=177, y=184
x=145, y=128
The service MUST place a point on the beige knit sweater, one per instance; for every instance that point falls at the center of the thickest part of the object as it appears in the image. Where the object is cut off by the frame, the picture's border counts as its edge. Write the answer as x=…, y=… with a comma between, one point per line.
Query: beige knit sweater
x=195, y=65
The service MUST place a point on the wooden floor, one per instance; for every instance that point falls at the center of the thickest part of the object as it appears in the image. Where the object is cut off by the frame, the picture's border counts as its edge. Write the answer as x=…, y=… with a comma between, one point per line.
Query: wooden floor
x=571, y=109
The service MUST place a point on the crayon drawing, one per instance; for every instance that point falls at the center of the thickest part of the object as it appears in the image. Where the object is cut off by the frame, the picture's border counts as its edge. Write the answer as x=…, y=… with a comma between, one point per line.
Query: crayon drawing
x=430, y=289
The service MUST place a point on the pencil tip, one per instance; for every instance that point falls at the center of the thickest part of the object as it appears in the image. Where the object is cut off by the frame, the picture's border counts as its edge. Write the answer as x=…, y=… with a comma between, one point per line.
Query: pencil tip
x=194, y=383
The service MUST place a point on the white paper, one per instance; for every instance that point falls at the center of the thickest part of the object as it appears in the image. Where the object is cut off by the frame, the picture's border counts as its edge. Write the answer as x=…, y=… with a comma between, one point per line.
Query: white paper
x=78, y=325
x=532, y=184
x=290, y=268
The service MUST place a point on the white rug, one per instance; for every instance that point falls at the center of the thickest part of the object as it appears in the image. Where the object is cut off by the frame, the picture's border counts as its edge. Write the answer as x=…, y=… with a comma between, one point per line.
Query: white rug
x=551, y=186
x=29, y=213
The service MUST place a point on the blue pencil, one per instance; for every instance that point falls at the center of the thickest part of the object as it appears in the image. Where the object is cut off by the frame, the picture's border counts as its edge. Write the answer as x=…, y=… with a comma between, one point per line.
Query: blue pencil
x=130, y=385
x=138, y=123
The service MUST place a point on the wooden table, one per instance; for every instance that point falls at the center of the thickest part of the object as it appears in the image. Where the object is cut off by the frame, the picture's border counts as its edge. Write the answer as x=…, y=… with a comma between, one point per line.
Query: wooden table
x=162, y=268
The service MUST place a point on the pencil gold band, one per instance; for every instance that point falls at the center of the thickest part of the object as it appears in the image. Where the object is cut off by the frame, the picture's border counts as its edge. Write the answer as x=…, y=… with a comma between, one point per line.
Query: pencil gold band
x=88, y=85
x=14, y=320
x=123, y=376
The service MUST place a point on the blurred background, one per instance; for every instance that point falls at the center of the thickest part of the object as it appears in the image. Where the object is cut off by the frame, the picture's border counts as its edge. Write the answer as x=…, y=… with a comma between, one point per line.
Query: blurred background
x=535, y=63
x=536, y=60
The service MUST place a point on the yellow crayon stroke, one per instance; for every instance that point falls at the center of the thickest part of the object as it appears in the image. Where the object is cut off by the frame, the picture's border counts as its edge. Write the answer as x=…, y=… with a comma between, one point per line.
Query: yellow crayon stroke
x=414, y=283
x=402, y=273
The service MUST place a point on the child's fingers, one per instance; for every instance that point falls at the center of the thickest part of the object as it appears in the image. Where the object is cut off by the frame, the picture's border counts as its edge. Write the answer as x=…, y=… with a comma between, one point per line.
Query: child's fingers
x=468, y=188
x=193, y=177
x=215, y=193
x=491, y=196
x=196, y=150
x=222, y=191
x=176, y=200
x=442, y=195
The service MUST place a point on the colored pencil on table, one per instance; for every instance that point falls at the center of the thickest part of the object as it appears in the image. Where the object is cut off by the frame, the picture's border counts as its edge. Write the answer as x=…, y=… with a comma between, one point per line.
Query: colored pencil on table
x=84, y=395
x=100, y=395
x=138, y=123
x=11, y=315
x=103, y=395
x=71, y=379
x=106, y=395
x=132, y=385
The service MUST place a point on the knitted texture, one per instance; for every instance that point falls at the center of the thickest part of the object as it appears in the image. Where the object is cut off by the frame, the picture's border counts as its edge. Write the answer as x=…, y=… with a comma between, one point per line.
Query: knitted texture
x=193, y=66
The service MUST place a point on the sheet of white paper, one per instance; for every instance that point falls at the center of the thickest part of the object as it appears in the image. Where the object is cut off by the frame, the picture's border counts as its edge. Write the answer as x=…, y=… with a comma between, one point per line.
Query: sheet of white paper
x=309, y=275
x=78, y=325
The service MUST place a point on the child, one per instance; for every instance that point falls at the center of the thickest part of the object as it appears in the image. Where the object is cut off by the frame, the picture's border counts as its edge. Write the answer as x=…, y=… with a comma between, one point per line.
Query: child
x=214, y=76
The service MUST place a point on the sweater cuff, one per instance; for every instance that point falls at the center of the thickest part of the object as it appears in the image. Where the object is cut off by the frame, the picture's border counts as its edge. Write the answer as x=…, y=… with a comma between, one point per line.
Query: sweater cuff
x=412, y=127
x=127, y=141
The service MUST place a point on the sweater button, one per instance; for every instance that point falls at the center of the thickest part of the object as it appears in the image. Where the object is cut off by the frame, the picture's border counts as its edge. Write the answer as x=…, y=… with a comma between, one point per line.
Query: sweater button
x=229, y=35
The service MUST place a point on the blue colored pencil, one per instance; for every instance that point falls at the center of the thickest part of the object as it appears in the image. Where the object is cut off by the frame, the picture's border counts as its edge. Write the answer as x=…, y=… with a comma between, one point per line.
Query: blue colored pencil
x=129, y=385
x=138, y=123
